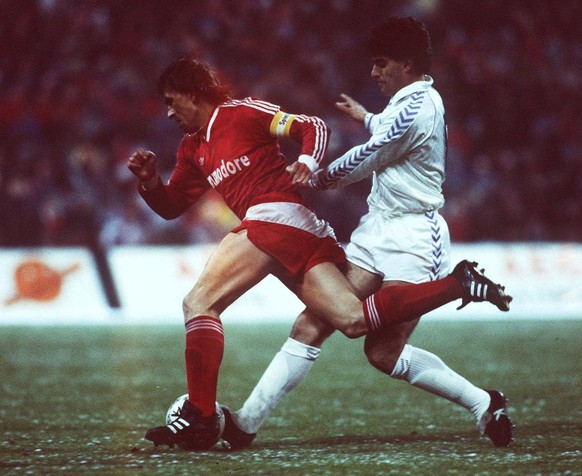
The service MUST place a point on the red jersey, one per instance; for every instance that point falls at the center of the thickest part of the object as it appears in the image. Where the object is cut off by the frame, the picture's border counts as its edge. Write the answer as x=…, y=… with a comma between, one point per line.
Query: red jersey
x=238, y=155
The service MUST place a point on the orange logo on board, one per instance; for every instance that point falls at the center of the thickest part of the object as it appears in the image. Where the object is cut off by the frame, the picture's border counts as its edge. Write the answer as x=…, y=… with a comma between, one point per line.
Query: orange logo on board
x=37, y=281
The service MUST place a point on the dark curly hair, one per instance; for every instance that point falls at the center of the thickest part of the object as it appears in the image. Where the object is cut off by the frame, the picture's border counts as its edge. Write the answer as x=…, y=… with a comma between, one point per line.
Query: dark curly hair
x=191, y=76
x=402, y=39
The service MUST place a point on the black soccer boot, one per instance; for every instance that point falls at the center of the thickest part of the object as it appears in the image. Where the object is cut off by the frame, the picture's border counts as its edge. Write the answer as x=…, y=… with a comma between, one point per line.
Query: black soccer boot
x=189, y=430
x=478, y=288
x=495, y=422
x=233, y=435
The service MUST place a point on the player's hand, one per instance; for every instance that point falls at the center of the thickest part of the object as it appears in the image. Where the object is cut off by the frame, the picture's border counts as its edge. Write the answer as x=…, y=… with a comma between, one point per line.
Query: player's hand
x=142, y=164
x=300, y=174
x=352, y=108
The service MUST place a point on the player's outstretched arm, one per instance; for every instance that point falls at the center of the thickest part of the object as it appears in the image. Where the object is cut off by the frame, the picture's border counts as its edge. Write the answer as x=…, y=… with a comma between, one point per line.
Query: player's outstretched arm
x=352, y=108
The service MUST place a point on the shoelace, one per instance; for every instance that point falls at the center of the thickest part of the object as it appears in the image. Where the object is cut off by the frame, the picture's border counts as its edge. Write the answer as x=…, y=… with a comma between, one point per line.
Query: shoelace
x=497, y=414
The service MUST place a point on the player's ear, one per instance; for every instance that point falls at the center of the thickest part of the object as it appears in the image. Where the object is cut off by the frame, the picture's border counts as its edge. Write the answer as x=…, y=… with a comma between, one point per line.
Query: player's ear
x=409, y=66
x=194, y=98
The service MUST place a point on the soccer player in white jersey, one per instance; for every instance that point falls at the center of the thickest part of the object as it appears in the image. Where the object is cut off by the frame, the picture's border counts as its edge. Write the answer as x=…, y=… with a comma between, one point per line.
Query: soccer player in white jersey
x=401, y=240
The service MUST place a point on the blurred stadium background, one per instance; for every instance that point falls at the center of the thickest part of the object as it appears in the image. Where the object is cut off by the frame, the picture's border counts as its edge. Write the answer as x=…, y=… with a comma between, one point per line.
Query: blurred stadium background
x=77, y=96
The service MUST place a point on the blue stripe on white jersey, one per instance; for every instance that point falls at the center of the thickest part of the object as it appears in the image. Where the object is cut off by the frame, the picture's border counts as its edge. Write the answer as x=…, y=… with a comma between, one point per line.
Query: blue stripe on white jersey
x=401, y=124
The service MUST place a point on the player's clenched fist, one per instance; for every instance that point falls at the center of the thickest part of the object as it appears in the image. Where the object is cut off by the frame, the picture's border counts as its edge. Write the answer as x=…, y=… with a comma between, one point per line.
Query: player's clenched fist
x=142, y=164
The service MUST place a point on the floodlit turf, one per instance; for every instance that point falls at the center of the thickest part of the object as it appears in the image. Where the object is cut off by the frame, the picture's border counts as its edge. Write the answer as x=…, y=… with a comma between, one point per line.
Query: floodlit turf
x=79, y=400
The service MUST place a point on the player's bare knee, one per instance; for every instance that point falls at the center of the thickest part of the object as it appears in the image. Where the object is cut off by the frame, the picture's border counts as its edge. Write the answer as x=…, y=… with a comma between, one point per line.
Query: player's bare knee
x=188, y=309
x=383, y=361
x=310, y=331
x=353, y=330
x=192, y=305
x=383, y=350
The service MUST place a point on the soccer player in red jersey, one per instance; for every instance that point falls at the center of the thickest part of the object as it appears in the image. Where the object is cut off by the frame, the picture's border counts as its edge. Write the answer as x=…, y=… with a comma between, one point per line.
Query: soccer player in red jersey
x=232, y=146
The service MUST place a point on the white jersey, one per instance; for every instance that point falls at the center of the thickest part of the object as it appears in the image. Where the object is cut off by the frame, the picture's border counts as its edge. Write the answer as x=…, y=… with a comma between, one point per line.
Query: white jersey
x=405, y=155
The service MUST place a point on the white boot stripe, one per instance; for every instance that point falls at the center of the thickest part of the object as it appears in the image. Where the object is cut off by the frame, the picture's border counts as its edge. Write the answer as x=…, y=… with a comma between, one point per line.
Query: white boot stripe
x=478, y=290
x=178, y=425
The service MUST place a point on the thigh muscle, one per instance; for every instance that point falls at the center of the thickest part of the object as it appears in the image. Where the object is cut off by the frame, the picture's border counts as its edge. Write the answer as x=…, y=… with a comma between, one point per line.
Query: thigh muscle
x=235, y=267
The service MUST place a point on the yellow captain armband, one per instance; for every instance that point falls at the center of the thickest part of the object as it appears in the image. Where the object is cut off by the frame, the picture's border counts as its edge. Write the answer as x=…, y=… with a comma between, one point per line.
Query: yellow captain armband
x=281, y=124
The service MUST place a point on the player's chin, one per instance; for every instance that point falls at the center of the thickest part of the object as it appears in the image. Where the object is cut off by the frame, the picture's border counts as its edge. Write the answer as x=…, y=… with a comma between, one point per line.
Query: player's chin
x=384, y=89
x=185, y=128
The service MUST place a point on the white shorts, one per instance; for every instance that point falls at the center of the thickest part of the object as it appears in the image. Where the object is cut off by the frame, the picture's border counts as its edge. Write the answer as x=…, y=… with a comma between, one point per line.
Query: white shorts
x=414, y=248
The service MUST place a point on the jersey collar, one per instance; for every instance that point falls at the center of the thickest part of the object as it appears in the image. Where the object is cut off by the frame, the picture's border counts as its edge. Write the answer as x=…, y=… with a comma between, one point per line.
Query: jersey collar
x=412, y=88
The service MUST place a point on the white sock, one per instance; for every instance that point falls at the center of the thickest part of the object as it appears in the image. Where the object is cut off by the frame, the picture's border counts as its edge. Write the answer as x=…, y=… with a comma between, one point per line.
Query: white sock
x=428, y=372
x=287, y=369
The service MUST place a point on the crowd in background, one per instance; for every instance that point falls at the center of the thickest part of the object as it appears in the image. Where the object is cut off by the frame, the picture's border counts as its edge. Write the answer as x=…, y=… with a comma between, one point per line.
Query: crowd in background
x=77, y=96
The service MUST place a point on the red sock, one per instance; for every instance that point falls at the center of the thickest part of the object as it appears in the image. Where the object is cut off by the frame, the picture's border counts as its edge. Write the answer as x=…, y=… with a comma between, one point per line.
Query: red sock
x=204, y=349
x=395, y=304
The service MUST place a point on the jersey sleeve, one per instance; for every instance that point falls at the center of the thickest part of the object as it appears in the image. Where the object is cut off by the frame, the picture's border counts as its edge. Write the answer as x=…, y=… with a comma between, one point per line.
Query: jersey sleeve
x=309, y=131
x=185, y=186
x=372, y=122
x=400, y=136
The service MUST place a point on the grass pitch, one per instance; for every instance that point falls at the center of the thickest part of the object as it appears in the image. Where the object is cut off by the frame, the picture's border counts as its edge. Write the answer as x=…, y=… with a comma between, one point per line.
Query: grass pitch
x=78, y=400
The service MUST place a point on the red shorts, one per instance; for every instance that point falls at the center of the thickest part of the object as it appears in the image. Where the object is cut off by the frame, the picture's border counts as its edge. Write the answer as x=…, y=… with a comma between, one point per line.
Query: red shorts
x=297, y=250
